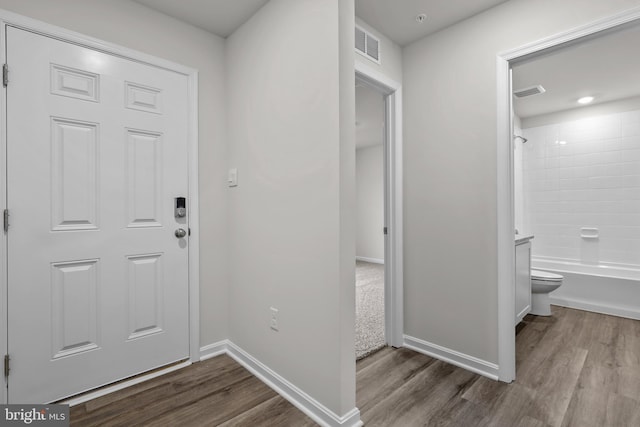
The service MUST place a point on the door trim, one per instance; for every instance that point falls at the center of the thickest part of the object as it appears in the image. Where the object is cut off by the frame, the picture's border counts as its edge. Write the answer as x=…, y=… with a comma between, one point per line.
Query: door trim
x=505, y=199
x=48, y=30
x=393, y=272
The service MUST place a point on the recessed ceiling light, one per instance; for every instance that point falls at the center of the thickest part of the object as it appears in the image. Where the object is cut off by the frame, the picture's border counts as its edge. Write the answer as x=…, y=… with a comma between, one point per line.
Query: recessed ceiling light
x=585, y=100
x=421, y=18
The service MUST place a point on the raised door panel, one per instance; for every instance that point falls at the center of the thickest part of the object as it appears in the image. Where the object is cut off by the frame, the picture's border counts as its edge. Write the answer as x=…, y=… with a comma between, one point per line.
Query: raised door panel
x=74, y=307
x=74, y=83
x=74, y=170
x=143, y=98
x=144, y=178
x=146, y=302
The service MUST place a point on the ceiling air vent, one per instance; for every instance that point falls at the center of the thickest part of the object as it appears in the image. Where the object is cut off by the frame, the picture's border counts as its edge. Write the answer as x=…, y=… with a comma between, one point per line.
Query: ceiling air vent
x=529, y=91
x=367, y=45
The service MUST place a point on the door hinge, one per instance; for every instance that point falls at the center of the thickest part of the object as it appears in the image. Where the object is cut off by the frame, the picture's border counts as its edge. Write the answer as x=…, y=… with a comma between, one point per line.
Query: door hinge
x=5, y=75
x=385, y=231
x=6, y=220
x=6, y=365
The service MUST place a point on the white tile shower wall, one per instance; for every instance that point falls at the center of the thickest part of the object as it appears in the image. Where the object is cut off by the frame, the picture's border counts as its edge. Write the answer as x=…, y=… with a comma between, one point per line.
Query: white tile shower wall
x=518, y=185
x=584, y=173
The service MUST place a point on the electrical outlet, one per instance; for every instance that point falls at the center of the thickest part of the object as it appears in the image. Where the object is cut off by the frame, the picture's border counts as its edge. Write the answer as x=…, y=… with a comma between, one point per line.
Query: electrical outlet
x=273, y=323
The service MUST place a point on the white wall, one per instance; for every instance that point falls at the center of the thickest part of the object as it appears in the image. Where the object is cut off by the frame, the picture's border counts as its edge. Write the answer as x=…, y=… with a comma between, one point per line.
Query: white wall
x=346, y=211
x=134, y=26
x=390, y=54
x=450, y=241
x=370, y=202
x=585, y=173
x=291, y=129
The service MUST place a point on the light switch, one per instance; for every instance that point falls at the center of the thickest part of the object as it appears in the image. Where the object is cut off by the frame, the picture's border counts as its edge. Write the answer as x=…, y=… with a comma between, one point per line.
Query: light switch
x=232, y=179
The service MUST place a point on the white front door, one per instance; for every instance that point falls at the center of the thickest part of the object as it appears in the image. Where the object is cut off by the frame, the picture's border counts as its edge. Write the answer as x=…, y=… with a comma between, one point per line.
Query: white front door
x=97, y=279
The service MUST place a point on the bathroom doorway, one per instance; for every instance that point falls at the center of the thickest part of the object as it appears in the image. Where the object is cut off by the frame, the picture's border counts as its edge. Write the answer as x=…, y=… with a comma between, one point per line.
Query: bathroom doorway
x=379, y=246
x=567, y=171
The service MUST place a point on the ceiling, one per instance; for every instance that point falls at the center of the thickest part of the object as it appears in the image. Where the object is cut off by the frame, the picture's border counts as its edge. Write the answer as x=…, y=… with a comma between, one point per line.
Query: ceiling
x=393, y=18
x=369, y=116
x=396, y=19
x=220, y=17
x=607, y=68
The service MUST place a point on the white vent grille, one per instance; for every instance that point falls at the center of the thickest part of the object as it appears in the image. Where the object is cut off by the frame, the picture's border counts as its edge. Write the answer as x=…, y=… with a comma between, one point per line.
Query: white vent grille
x=361, y=41
x=367, y=45
x=529, y=91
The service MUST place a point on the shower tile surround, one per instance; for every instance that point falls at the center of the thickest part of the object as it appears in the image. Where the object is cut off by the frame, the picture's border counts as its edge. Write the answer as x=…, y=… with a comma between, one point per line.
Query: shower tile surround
x=583, y=174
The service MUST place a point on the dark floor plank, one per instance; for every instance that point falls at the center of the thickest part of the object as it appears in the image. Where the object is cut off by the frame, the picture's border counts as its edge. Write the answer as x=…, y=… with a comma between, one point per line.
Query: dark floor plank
x=531, y=330
x=512, y=406
x=373, y=357
x=629, y=382
x=181, y=390
x=585, y=409
x=485, y=392
x=559, y=376
x=622, y=411
x=273, y=412
x=574, y=369
x=217, y=408
x=421, y=397
x=460, y=412
x=209, y=368
x=527, y=421
x=377, y=380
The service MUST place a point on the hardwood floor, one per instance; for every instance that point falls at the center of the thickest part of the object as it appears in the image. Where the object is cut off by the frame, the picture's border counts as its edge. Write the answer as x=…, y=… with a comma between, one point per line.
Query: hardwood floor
x=574, y=369
x=215, y=392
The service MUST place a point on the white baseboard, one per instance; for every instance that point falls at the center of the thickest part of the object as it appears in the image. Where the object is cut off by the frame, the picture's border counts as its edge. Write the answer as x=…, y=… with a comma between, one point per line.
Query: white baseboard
x=596, y=307
x=371, y=260
x=470, y=363
x=298, y=398
x=212, y=350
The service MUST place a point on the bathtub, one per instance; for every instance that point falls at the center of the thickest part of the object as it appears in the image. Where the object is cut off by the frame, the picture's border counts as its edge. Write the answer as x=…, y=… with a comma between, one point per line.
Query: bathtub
x=609, y=289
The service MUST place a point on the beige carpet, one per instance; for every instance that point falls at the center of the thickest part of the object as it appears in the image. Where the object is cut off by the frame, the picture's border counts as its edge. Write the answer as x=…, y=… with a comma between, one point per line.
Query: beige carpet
x=369, y=308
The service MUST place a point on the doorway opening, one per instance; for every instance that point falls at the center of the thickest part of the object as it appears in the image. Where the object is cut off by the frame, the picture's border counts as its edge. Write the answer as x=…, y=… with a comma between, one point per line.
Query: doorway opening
x=550, y=142
x=380, y=231
x=370, y=209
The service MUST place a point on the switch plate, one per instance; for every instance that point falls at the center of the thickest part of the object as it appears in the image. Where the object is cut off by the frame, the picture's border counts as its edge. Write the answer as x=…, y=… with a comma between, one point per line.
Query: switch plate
x=232, y=178
x=273, y=323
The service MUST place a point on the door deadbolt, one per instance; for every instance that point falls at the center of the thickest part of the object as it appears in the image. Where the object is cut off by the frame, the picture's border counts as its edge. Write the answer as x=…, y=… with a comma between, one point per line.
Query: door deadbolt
x=181, y=207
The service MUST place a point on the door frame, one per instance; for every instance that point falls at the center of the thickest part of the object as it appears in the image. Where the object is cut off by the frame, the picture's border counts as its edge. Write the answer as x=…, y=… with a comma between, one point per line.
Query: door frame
x=393, y=257
x=505, y=201
x=42, y=28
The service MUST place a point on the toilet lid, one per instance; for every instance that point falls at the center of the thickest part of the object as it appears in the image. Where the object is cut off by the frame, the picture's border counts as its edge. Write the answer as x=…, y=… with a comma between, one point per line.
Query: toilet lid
x=545, y=275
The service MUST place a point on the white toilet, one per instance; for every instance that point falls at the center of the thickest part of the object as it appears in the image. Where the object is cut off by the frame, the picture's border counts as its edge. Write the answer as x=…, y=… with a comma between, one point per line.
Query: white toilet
x=542, y=283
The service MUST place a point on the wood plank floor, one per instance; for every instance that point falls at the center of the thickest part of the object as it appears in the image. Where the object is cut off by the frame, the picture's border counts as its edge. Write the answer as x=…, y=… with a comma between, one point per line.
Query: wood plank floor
x=574, y=369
